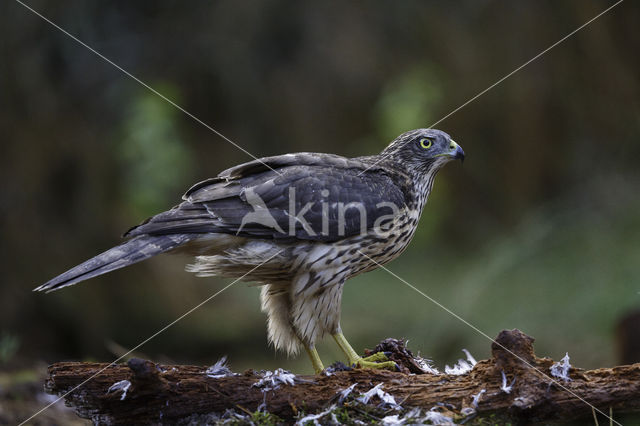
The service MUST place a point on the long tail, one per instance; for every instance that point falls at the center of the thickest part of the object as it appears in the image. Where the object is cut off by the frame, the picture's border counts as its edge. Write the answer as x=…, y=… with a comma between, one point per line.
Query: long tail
x=128, y=253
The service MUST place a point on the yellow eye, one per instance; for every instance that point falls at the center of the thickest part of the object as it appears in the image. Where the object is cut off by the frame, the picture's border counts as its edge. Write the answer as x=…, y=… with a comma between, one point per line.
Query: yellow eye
x=426, y=143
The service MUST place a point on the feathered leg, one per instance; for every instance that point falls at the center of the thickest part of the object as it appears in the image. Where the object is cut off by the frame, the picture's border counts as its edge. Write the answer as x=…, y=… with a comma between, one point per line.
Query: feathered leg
x=276, y=304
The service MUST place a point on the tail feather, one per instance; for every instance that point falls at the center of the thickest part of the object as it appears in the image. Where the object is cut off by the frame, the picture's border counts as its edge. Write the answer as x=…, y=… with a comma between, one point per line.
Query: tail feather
x=127, y=253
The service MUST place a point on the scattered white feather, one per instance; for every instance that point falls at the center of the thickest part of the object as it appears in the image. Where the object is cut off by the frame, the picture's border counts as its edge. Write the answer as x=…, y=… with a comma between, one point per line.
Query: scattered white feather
x=470, y=357
x=561, y=369
x=386, y=398
x=476, y=398
x=220, y=369
x=271, y=380
x=315, y=417
x=394, y=420
x=467, y=411
x=346, y=392
x=122, y=386
x=462, y=366
x=365, y=397
x=415, y=417
x=425, y=365
x=414, y=413
x=506, y=388
x=437, y=418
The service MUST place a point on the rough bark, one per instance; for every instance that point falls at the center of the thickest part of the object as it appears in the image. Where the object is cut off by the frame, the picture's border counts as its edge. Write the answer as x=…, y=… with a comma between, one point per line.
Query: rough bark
x=169, y=393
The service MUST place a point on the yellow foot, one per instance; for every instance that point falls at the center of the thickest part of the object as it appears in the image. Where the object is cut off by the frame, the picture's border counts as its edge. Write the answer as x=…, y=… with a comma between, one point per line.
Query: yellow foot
x=378, y=361
x=377, y=357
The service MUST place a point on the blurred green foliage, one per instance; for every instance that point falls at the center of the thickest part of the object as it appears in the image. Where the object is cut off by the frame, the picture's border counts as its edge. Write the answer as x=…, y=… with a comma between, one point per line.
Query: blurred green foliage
x=9, y=345
x=407, y=102
x=539, y=230
x=154, y=160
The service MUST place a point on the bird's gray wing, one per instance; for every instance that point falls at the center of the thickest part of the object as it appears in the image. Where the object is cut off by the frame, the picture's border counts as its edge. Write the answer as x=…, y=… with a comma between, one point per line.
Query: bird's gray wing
x=233, y=201
x=306, y=196
x=273, y=163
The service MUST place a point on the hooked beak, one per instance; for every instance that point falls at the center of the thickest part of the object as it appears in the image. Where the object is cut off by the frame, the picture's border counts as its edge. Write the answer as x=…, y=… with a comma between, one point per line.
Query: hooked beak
x=456, y=151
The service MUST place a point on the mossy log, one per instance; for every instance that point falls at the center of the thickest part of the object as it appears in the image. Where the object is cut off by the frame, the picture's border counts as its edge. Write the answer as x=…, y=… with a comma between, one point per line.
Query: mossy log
x=173, y=393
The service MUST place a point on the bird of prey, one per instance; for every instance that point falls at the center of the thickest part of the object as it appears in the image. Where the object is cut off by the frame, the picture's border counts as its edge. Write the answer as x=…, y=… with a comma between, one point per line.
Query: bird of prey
x=298, y=224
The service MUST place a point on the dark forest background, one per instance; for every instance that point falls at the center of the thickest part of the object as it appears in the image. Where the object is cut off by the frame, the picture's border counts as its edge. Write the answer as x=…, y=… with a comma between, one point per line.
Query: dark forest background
x=538, y=230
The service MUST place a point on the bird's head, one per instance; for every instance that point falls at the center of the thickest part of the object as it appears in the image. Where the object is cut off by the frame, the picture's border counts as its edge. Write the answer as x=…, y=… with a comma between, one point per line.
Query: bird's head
x=423, y=151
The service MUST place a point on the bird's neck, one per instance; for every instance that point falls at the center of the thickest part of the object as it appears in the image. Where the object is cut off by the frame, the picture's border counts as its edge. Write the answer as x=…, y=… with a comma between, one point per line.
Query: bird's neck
x=418, y=183
x=423, y=183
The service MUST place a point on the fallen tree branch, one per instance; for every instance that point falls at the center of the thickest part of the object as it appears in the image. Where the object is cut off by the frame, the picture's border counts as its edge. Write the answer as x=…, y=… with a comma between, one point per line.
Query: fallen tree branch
x=142, y=392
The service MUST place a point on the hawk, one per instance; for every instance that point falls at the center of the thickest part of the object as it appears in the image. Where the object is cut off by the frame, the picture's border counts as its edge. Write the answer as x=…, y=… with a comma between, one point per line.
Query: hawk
x=298, y=224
